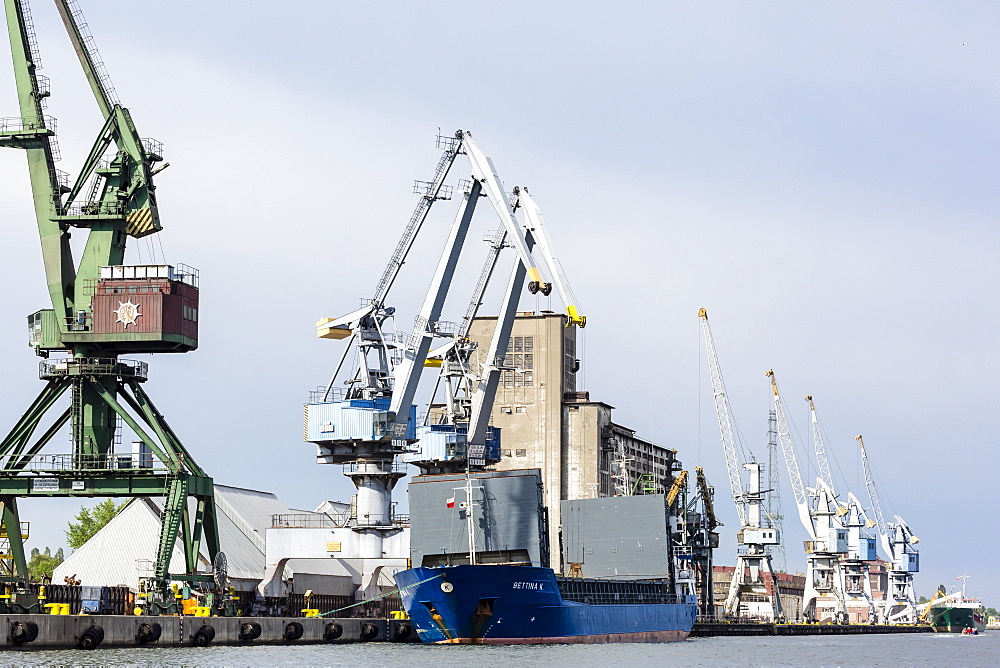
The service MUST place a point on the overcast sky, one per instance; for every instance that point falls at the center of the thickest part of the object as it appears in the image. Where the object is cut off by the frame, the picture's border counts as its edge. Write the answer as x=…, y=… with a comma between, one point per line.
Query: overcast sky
x=820, y=176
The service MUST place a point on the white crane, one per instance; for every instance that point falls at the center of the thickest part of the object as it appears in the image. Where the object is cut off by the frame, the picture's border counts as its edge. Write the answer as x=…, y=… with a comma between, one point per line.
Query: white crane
x=897, y=541
x=852, y=570
x=376, y=419
x=754, y=573
x=827, y=540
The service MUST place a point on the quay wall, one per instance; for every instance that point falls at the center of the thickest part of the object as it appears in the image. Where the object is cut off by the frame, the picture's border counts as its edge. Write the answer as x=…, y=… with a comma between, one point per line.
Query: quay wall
x=100, y=631
x=708, y=629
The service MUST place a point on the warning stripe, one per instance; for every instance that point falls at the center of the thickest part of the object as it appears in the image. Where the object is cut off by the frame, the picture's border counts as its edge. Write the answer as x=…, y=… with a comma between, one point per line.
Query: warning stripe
x=140, y=223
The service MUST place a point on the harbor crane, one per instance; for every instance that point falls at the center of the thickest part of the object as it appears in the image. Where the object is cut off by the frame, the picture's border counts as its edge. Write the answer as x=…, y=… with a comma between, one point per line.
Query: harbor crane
x=897, y=541
x=367, y=426
x=754, y=575
x=853, y=567
x=817, y=512
x=101, y=309
x=462, y=437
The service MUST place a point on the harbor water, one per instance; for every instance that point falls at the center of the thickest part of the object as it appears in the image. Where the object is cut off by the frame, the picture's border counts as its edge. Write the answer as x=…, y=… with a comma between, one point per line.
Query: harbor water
x=923, y=649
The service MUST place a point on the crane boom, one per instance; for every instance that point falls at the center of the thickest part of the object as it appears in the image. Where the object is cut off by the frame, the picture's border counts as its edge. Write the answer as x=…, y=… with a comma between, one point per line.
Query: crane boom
x=536, y=225
x=430, y=193
x=86, y=51
x=872, y=491
x=706, y=495
x=820, y=447
x=485, y=173
x=883, y=528
x=791, y=461
x=724, y=414
x=35, y=133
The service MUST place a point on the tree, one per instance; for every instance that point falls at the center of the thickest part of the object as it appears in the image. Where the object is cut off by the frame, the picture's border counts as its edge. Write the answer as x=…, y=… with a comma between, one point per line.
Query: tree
x=91, y=520
x=42, y=564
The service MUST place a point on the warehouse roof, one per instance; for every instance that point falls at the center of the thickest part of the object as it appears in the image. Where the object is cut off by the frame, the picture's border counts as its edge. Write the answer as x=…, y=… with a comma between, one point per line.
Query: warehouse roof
x=125, y=549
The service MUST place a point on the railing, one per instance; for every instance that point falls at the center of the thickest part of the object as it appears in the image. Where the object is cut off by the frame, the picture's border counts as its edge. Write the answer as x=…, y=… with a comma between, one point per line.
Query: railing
x=426, y=189
x=152, y=147
x=42, y=87
x=20, y=124
x=397, y=466
x=90, y=47
x=111, y=461
x=186, y=274
x=116, y=209
x=81, y=322
x=601, y=592
x=309, y=520
x=93, y=366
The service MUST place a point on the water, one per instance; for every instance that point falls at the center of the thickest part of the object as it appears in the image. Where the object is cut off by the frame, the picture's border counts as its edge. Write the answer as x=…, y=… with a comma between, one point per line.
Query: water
x=919, y=649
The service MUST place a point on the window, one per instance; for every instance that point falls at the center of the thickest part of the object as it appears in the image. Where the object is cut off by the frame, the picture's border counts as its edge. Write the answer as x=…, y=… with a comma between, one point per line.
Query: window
x=529, y=344
x=518, y=361
x=518, y=379
x=529, y=361
x=529, y=379
x=518, y=344
x=520, y=409
x=521, y=452
x=506, y=453
x=508, y=360
x=505, y=410
x=508, y=379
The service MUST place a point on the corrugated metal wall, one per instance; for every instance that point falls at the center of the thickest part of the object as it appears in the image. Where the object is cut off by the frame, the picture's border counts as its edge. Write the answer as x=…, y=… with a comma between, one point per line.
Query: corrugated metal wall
x=508, y=515
x=619, y=536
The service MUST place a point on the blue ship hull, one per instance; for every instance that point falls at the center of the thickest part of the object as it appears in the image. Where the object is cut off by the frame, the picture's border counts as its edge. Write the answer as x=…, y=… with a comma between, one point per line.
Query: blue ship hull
x=500, y=604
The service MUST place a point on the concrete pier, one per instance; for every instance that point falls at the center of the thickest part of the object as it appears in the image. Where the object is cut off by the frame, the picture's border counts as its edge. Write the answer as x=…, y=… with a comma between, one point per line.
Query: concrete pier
x=708, y=629
x=28, y=632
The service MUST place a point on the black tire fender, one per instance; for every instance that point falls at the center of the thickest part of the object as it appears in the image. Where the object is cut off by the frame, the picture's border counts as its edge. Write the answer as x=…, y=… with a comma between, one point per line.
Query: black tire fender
x=332, y=631
x=249, y=631
x=293, y=631
x=402, y=631
x=91, y=638
x=23, y=632
x=204, y=636
x=369, y=631
x=148, y=632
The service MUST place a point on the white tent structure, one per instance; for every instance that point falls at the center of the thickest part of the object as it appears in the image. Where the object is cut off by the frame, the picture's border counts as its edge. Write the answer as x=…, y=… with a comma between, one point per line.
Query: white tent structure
x=125, y=549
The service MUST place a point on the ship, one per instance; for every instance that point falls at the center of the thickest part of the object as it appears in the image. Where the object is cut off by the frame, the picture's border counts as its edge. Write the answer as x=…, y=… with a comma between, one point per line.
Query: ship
x=481, y=575
x=955, y=613
x=510, y=604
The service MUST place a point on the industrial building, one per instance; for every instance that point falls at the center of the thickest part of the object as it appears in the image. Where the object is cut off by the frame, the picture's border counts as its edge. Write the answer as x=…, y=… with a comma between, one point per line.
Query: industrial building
x=546, y=423
x=758, y=606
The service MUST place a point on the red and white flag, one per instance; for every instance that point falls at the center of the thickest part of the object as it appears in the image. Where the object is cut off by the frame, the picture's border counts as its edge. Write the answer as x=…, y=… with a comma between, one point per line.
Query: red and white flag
x=451, y=502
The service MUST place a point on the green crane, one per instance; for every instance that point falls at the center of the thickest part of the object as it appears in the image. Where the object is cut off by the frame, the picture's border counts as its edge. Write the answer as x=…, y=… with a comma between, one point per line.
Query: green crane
x=89, y=325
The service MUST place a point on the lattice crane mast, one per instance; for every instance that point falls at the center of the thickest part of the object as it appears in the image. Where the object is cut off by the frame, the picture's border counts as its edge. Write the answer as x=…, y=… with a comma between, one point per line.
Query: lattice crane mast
x=897, y=541
x=754, y=573
x=826, y=541
x=101, y=309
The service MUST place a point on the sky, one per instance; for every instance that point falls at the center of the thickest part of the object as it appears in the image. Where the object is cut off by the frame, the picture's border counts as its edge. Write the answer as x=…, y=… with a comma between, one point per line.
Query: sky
x=820, y=176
